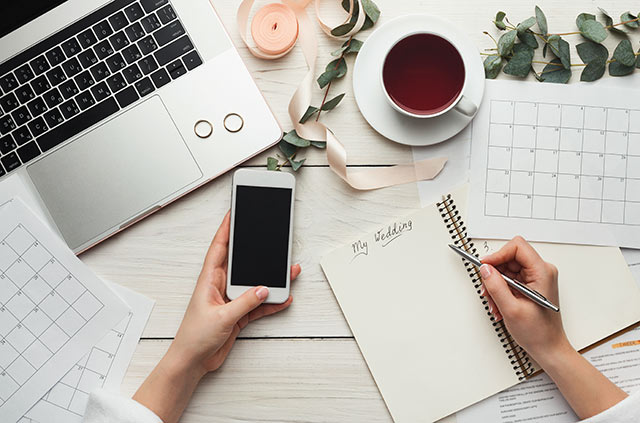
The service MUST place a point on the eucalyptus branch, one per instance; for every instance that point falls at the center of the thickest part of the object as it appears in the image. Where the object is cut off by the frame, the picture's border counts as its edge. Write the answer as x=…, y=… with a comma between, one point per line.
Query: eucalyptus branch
x=291, y=142
x=340, y=60
x=516, y=48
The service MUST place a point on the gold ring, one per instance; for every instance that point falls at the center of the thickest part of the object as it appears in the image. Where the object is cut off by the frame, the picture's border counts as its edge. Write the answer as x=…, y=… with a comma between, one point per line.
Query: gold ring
x=233, y=129
x=203, y=135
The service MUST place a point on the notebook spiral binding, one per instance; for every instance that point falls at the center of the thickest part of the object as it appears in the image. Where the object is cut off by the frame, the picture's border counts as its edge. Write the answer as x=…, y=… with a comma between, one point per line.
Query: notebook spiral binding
x=518, y=357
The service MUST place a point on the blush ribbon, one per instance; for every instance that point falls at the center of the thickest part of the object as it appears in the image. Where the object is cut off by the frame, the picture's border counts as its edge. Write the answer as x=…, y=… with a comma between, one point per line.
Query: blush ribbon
x=274, y=30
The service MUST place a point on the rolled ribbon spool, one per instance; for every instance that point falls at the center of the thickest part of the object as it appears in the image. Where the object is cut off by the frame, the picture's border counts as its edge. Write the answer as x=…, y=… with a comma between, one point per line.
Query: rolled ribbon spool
x=274, y=29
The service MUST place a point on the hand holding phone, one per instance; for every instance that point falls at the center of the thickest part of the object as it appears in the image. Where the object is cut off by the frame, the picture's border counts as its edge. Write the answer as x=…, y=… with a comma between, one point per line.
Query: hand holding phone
x=261, y=233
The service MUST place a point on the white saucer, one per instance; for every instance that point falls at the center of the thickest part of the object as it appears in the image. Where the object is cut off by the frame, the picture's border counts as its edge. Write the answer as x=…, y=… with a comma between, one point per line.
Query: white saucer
x=372, y=102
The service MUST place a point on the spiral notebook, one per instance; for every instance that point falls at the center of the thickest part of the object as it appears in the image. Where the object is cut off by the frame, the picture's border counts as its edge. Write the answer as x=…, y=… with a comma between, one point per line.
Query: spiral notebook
x=424, y=331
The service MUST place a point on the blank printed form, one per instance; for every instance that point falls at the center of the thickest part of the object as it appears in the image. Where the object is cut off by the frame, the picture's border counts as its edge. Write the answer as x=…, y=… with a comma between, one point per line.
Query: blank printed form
x=556, y=163
x=539, y=400
x=52, y=310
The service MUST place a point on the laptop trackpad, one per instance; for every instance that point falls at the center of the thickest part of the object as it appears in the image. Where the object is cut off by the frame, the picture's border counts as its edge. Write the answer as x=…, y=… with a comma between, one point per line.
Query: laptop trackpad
x=115, y=172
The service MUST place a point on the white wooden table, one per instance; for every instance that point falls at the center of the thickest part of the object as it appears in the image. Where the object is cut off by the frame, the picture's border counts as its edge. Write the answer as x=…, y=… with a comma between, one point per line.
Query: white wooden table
x=301, y=365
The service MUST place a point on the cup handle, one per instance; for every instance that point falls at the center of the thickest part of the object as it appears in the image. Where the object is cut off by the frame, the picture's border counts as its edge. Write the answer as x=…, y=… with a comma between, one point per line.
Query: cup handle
x=466, y=107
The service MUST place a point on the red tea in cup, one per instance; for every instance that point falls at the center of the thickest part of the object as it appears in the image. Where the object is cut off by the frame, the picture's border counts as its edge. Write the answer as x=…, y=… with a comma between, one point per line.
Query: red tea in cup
x=423, y=74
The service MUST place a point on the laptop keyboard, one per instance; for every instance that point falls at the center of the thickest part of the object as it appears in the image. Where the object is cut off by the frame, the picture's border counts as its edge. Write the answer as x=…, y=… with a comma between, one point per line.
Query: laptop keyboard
x=86, y=72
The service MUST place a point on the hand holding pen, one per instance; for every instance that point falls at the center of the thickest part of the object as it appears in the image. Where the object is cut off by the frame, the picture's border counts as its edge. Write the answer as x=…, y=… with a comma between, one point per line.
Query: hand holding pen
x=535, y=328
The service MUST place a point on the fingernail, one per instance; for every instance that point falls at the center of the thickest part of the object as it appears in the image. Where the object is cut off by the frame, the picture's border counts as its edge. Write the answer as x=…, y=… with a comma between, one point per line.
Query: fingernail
x=490, y=309
x=262, y=292
x=482, y=290
x=485, y=271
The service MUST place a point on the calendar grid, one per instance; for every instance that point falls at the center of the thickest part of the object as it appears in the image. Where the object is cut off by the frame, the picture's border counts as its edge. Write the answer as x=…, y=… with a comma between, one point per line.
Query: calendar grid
x=555, y=189
x=567, y=162
x=606, y=133
x=42, y=306
x=581, y=155
x=626, y=171
x=71, y=395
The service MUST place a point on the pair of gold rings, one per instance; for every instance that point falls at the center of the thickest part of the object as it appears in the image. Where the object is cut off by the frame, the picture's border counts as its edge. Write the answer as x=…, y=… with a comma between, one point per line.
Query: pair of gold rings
x=233, y=122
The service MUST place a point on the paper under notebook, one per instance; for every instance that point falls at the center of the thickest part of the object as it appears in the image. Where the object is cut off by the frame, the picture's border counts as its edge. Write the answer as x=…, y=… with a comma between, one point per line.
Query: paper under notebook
x=415, y=311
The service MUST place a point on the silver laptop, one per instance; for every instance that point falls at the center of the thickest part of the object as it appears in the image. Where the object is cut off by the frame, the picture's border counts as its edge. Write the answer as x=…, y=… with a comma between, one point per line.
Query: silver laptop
x=110, y=110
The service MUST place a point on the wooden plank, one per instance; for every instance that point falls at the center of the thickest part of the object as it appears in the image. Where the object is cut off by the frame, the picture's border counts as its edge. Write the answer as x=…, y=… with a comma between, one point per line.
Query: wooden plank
x=161, y=256
x=277, y=380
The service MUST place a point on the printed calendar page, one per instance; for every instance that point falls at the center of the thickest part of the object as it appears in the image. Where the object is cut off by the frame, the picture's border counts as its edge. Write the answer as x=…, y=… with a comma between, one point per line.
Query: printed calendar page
x=52, y=310
x=103, y=367
x=556, y=163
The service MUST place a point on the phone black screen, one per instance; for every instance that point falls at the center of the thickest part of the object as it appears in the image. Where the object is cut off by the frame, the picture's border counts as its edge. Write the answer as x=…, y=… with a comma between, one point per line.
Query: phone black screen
x=261, y=236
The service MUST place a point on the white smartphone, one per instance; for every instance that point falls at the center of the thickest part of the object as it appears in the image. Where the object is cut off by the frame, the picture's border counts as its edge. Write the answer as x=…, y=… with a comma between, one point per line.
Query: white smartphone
x=261, y=233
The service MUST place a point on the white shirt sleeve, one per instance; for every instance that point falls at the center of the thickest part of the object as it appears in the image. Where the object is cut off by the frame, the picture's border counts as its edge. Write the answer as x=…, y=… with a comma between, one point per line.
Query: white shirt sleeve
x=106, y=407
x=626, y=411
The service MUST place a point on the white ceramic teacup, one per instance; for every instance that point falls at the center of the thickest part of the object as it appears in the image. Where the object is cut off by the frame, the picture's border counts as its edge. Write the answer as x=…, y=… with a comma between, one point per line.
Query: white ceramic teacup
x=459, y=103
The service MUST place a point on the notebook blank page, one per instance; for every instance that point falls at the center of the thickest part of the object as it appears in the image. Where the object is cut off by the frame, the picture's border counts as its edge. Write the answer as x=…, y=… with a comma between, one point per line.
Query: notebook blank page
x=418, y=319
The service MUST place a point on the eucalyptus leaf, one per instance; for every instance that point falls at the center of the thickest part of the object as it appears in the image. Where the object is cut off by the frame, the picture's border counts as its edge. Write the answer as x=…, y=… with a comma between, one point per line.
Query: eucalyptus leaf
x=584, y=17
x=505, y=43
x=520, y=62
x=352, y=46
x=590, y=51
x=296, y=164
x=272, y=163
x=624, y=53
x=542, y=21
x=311, y=110
x=594, y=70
x=544, y=50
x=528, y=38
x=492, y=66
x=287, y=149
x=343, y=29
x=560, y=48
x=319, y=144
x=618, y=69
x=327, y=77
x=292, y=138
x=638, y=60
x=339, y=65
x=595, y=56
x=499, y=21
x=371, y=10
x=525, y=25
x=593, y=30
x=556, y=72
x=608, y=22
x=355, y=13
x=627, y=16
x=332, y=103
x=339, y=51
x=368, y=23
x=345, y=5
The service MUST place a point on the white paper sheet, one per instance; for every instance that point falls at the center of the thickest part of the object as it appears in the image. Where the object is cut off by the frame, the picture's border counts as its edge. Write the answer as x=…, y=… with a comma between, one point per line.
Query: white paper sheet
x=455, y=173
x=556, y=163
x=103, y=367
x=540, y=400
x=53, y=309
x=633, y=260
